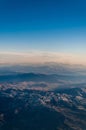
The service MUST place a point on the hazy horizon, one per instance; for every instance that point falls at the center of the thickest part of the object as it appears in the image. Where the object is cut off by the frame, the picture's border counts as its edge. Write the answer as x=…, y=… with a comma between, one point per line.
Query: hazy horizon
x=40, y=57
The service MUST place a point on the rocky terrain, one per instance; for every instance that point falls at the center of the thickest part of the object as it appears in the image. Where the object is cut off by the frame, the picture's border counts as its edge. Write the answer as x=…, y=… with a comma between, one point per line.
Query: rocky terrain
x=33, y=101
x=41, y=109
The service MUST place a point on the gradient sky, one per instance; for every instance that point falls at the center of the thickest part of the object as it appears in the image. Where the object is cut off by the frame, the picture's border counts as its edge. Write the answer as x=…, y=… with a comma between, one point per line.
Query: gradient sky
x=43, y=25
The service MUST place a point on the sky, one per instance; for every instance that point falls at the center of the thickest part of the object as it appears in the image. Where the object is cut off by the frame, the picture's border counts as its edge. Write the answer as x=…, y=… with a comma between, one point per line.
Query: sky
x=43, y=27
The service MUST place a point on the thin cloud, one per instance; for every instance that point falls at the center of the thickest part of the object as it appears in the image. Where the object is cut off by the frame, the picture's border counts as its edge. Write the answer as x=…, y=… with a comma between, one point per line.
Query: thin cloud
x=40, y=57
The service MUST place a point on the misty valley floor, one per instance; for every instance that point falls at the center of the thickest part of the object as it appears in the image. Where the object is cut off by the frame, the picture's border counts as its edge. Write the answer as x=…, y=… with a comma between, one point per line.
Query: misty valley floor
x=33, y=102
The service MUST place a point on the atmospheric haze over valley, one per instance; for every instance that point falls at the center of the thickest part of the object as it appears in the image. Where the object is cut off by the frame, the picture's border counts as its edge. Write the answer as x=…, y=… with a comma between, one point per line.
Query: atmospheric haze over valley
x=47, y=96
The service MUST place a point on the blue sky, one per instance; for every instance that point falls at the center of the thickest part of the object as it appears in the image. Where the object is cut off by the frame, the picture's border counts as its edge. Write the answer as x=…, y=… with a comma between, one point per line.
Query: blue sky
x=43, y=25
